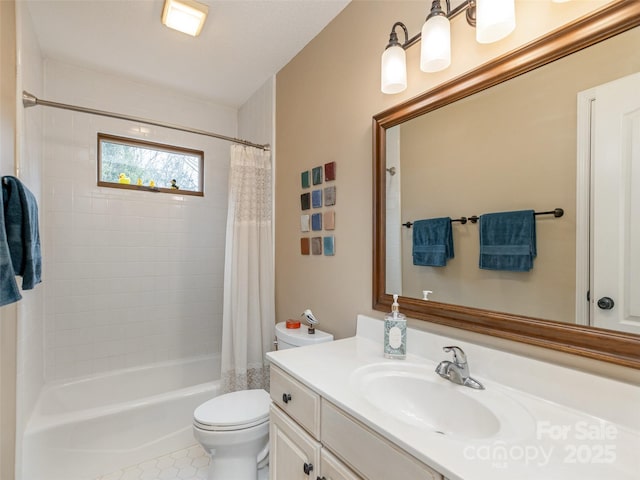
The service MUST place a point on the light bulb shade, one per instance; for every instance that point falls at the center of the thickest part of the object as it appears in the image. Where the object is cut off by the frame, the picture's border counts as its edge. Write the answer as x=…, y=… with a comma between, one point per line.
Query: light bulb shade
x=495, y=19
x=394, y=70
x=435, y=52
x=186, y=16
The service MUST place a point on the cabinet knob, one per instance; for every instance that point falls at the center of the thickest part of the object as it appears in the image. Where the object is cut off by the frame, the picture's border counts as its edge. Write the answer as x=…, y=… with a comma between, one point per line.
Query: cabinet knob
x=321, y=478
x=286, y=397
x=307, y=468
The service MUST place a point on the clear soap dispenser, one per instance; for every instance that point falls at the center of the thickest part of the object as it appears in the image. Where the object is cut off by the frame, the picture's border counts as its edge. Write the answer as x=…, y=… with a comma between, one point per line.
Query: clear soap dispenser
x=395, y=332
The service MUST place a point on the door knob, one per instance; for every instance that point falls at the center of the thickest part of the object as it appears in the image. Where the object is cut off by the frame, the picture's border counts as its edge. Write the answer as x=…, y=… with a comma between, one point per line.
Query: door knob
x=606, y=303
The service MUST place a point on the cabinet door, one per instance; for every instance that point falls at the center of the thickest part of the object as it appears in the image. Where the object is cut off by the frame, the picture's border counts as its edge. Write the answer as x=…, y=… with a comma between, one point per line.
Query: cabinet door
x=366, y=452
x=293, y=453
x=333, y=469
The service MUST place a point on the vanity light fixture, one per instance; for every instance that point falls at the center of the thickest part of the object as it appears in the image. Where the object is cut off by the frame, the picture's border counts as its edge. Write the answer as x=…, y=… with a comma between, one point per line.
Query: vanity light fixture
x=493, y=19
x=186, y=16
x=394, y=62
x=435, y=53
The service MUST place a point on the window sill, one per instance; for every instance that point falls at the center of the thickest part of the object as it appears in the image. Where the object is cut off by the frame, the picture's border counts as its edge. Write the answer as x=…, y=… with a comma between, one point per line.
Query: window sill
x=146, y=188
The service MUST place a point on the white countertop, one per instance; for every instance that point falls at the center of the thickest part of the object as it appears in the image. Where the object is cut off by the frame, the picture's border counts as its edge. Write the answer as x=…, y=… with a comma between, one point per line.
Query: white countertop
x=570, y=425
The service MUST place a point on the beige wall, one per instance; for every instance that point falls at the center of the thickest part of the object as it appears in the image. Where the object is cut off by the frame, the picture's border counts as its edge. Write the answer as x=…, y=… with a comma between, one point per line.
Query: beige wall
x=325, y=99
x=7, y=167
x=512, y=147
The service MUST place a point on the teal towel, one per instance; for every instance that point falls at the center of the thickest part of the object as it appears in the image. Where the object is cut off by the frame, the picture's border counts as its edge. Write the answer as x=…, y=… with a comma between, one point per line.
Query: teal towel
x=9, y=292
x=23, y=236
x=508, y=241
x=432, y=242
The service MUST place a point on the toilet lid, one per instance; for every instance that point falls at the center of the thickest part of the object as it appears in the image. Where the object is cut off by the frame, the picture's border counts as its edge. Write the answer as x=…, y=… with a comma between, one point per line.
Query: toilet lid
x=234, y=411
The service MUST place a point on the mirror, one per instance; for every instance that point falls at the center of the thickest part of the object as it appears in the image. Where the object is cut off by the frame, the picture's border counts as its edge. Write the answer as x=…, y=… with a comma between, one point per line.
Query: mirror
x=509, y=147
x=537, y=306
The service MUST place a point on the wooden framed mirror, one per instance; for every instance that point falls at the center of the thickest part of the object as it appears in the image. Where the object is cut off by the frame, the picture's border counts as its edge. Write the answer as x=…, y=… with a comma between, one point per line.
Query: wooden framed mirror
x=612, y=346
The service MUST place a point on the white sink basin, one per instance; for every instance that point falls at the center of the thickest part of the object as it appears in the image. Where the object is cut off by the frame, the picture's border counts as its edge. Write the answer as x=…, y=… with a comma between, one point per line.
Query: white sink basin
x=417, y=396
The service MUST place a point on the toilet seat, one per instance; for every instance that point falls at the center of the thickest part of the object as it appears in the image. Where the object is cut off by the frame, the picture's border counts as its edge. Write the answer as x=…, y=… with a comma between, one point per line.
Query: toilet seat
x=233, y=411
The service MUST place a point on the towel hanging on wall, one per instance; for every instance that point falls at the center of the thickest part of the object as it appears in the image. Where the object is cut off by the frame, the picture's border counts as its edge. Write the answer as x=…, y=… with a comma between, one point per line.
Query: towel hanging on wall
x=432, y=242
x=508, y=241
x=21, y=236
x=9, y=292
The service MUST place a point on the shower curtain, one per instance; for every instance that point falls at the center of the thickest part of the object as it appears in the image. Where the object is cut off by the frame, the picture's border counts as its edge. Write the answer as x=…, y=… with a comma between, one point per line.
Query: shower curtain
x=249, y=304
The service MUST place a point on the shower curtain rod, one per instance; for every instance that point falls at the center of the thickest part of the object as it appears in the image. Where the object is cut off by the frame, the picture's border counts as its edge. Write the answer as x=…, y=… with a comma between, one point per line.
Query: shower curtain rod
x=29, y=100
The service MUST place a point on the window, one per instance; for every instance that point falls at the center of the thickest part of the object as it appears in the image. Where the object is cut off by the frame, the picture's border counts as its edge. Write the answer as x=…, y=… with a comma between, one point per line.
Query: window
x=139, y=165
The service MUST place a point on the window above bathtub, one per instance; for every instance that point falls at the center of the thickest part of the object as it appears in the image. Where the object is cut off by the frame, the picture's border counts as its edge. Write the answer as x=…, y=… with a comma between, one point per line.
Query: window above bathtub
x=140, y=165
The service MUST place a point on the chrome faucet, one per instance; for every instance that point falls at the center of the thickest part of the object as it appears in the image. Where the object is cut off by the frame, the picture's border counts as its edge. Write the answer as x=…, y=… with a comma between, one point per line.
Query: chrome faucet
x=458, y=370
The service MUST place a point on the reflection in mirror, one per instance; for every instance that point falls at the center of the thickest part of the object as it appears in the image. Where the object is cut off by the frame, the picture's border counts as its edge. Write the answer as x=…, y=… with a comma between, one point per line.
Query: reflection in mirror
x=512, y=147
x=465, y=149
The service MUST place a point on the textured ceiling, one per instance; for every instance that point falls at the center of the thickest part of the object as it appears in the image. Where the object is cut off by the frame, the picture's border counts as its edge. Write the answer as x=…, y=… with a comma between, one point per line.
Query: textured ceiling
x=241, y=45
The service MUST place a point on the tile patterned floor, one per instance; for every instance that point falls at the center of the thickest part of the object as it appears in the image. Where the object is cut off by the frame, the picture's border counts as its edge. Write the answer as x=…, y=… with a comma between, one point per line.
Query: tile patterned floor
x=189, y=464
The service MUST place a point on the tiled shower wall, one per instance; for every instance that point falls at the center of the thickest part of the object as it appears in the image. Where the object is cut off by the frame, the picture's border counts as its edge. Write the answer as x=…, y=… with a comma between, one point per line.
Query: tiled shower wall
x=132, y=277
x=30, y=354
x=394, y=215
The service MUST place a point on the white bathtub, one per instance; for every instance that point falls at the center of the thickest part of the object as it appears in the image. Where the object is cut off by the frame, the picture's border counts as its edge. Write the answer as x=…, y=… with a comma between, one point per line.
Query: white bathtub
x=96, y=425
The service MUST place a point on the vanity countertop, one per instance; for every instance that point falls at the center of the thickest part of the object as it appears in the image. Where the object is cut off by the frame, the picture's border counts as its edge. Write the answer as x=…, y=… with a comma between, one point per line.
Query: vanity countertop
x=563, y=428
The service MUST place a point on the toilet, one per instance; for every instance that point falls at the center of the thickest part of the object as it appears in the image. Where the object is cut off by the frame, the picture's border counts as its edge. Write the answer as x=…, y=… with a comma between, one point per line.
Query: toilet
x=234, y=428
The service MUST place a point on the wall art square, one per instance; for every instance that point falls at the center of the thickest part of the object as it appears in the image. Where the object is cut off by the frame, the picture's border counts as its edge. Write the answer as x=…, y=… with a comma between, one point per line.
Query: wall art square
x=305, y=201
x=316, y=173
x=304, y=246
x=329, y=220
x=316, y=198
x=329, y=246
x=330, y=171
x=329, y=196
x=304, y=223
x=316, y=222
x=316, y=245
x=304, y=179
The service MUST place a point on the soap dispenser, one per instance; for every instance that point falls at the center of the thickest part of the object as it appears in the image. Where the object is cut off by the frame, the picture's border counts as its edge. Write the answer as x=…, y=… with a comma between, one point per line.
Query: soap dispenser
x=395, y=332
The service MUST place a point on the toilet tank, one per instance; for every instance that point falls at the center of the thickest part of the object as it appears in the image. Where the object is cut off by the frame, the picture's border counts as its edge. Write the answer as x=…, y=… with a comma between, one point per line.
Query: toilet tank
x=299, y=337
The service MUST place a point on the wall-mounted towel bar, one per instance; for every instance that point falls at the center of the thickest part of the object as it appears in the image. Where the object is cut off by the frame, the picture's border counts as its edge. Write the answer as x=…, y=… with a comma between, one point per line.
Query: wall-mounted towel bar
x=462, y=220
x=557, y=213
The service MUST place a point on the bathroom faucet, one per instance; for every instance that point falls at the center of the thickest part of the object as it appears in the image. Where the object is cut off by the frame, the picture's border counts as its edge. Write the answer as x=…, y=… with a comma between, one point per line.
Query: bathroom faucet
x=458, y=370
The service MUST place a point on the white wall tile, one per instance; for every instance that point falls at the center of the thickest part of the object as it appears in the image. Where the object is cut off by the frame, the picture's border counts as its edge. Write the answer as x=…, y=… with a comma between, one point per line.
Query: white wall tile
x=31, y=315
x=139, y=273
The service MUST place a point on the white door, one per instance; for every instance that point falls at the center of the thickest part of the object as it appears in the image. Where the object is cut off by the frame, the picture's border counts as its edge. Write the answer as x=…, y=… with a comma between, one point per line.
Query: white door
x=615, y=202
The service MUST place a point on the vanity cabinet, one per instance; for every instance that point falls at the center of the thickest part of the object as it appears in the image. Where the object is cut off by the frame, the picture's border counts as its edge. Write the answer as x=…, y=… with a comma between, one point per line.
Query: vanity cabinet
x=333, y=469
x=293, y=453
x=366, y=451
x=311, y=438
x=297, y=401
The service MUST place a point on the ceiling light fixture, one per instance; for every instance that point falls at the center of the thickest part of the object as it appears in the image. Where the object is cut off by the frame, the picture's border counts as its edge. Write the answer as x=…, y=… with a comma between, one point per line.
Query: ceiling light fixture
x=493, y=20
x=186, y=16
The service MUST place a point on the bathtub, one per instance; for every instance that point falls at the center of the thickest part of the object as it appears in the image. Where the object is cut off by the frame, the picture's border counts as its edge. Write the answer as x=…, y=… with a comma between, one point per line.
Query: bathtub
x=88, y=427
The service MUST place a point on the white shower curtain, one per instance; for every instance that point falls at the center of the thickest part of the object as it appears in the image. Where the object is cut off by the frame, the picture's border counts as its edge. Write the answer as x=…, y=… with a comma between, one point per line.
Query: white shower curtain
x=249, y=304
